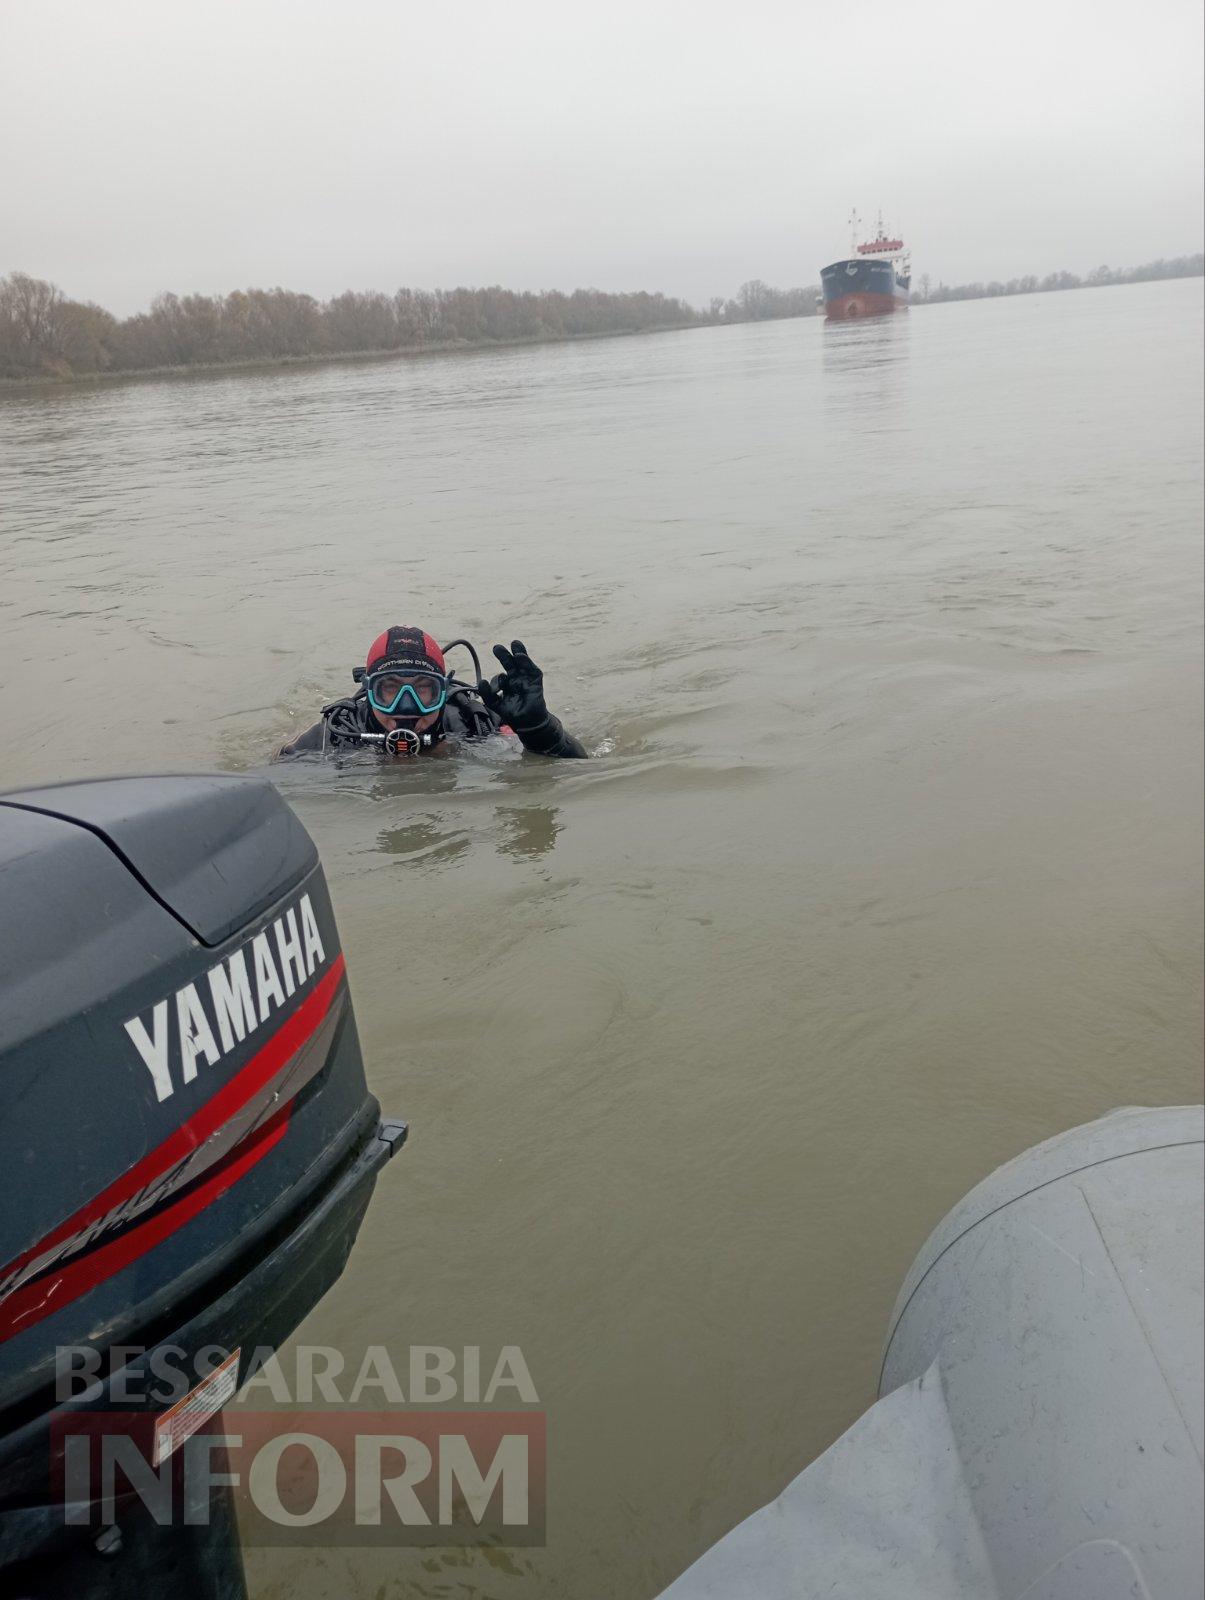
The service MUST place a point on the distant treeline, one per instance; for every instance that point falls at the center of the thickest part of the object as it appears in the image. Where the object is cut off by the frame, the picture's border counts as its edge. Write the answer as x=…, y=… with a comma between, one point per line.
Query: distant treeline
x=758, y=302
x=45, y=334
x=1179, y=267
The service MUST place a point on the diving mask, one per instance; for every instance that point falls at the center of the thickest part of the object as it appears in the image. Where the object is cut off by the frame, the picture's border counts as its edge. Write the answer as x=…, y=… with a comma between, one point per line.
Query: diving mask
x=396, y=693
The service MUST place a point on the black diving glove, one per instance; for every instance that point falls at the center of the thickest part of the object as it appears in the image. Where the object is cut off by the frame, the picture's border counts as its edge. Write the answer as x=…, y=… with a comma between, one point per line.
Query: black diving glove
x=517, y=696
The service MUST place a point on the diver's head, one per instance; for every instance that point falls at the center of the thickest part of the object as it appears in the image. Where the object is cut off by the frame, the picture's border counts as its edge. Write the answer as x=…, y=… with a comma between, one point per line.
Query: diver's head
x=406, y=680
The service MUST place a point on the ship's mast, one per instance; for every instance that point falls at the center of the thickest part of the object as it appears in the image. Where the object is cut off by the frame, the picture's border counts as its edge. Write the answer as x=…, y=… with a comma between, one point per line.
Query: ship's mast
x=880, y=245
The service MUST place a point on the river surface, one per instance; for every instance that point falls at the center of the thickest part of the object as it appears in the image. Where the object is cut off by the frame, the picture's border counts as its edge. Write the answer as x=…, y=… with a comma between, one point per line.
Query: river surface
x=886, y=637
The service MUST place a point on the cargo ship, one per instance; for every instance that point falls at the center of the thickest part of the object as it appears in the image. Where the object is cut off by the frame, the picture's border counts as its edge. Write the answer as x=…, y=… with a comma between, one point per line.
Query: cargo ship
x=872, y=282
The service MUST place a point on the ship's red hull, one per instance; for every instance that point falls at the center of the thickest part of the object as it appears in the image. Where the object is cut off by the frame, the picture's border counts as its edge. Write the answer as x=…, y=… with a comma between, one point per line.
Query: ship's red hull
x=862, y=303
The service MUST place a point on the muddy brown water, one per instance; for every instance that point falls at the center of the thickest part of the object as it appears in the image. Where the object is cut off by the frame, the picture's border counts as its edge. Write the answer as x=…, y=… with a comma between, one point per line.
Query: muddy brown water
x=887, y=639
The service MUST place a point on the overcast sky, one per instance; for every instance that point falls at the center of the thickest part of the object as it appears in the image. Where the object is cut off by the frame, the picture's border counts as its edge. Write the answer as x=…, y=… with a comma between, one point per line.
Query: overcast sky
x=668, y=144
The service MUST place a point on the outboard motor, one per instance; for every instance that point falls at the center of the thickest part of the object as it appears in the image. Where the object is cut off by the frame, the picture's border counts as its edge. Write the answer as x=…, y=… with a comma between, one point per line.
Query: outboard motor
x=187, y=1143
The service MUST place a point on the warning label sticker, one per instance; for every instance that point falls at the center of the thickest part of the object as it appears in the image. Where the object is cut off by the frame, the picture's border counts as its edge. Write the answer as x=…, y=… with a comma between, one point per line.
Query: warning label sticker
x=198, y=1405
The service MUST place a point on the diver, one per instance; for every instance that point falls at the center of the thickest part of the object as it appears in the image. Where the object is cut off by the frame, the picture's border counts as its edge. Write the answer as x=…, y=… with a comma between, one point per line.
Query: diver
x=408, y=703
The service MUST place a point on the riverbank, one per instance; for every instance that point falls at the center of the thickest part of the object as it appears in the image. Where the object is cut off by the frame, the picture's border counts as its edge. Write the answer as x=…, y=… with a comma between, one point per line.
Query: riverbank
x=447, y=347
x=1188, y=267
x=46, y=335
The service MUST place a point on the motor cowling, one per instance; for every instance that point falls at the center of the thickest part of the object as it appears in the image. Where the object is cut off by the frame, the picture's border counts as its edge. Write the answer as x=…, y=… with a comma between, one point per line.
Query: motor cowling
x=187, y=1141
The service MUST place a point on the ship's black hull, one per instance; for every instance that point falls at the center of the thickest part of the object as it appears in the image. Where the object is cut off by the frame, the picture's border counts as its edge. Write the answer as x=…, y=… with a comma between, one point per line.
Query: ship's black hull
x=862, y=288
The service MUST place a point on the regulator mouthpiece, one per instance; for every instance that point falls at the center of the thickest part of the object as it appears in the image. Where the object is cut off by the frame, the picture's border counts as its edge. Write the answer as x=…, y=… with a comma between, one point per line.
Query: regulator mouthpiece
x=402, y=742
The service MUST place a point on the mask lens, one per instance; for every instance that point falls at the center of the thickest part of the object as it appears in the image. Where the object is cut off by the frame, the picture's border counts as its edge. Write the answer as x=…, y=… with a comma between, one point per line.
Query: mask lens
x=429, y=690
x=386, y=689
x=399, y=693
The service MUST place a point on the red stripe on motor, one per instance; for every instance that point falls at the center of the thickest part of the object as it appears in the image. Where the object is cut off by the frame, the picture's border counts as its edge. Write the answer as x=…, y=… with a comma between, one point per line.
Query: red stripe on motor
x=268, y=1060
x=44, y=1296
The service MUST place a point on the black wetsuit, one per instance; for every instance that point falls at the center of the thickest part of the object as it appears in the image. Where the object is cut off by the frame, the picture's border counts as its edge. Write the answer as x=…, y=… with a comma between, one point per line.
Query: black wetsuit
x=464, y=717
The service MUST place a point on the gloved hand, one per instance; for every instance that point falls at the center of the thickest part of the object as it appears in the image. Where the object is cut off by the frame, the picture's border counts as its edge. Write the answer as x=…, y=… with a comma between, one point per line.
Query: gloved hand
x=517, y=694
